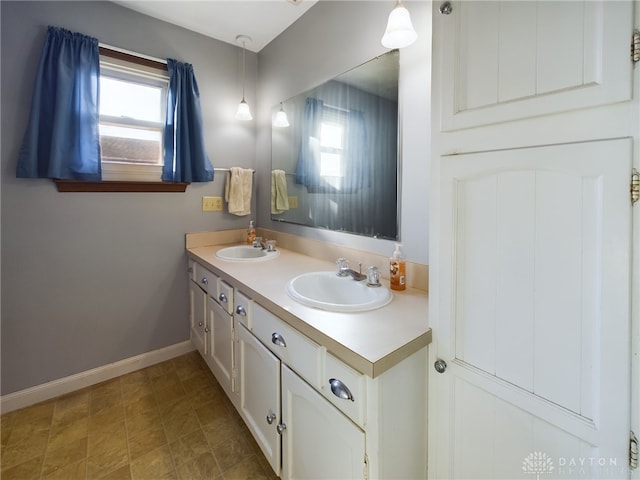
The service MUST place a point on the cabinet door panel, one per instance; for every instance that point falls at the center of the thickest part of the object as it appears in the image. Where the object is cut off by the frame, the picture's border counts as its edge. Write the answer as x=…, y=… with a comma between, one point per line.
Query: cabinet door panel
x=259, y=378
x=319, y=442
x=197, y=300
x=221, y=345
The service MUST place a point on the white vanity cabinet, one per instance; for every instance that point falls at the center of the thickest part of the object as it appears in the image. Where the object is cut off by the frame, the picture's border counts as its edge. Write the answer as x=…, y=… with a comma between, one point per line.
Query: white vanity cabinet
x=314, y=416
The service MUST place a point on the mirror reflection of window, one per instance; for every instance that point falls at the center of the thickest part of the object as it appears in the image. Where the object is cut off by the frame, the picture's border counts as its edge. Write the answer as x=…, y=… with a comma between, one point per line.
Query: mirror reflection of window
x=340, y=154
x=332, y=143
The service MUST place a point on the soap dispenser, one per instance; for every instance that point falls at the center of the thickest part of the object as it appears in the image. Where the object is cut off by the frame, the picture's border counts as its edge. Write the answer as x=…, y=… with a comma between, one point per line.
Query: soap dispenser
x=251, y=233
x=397, y=270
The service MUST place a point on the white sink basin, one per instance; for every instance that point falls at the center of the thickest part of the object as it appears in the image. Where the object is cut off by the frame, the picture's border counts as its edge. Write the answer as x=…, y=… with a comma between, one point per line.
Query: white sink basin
x=245, y=253
x=327, y=291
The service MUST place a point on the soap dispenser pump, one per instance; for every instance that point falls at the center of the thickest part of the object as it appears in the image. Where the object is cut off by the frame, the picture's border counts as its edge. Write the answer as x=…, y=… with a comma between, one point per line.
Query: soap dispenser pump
x=397, y=268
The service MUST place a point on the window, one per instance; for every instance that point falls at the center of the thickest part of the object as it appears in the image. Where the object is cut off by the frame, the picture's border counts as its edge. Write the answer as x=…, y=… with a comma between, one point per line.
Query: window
x=133, y=94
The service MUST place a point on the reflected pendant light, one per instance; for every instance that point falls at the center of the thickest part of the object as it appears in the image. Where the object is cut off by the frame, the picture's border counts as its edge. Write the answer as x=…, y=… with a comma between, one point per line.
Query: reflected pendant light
x=281, y=120
x=399, y=32
x=243, y=113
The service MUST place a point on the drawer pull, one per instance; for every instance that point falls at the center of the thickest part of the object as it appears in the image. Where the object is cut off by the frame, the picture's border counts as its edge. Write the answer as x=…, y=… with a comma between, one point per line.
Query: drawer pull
x=240, y=310
x=223, y=298
x=278, y=339
x=340, y=390
x=205, y=281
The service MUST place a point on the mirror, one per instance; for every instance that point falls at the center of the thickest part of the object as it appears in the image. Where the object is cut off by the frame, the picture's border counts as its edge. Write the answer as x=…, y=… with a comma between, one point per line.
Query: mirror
x=335, y=166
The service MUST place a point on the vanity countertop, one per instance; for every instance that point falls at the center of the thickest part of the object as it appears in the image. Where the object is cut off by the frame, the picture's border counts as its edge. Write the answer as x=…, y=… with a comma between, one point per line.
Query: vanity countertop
x=370, y=342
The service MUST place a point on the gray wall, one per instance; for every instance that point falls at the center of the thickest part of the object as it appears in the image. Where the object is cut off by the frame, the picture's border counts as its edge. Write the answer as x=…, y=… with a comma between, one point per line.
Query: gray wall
x=331, y=38
x=93, y=278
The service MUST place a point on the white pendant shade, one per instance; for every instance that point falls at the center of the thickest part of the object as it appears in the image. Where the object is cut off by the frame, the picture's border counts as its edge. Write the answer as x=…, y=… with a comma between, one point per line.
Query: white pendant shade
x=281, y=120
x=243, y=113
x=400, y=32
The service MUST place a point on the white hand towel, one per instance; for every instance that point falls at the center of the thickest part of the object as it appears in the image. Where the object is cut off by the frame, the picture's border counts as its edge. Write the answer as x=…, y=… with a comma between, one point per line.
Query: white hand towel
x=279, y=197
x=237, y=190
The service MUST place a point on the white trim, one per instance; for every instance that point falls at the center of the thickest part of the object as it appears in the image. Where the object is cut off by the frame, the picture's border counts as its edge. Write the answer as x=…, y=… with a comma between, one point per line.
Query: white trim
x=55, y=388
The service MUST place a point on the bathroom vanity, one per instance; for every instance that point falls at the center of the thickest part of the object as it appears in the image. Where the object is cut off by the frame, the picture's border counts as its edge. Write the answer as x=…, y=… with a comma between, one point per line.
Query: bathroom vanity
x=325, y=394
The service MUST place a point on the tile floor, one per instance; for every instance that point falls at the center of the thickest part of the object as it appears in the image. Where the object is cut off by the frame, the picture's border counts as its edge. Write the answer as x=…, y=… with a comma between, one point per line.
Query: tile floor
x=168, y=421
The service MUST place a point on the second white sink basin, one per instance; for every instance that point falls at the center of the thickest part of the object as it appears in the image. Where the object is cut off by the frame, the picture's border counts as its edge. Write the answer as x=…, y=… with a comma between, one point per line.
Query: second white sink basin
x=327, y=291
x=245, y=253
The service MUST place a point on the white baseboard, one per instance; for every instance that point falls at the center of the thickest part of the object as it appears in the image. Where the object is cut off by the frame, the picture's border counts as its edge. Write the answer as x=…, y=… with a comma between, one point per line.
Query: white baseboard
x=55, y=388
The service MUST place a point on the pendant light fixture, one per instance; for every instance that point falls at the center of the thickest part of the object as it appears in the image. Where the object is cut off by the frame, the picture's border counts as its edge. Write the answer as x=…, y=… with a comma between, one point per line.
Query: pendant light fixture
x=243, y=113
x=281, y=120
x=399, y=32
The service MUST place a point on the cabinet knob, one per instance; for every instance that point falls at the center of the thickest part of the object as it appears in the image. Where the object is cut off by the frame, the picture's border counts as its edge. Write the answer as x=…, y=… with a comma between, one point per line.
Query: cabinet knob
x=278, y=339
x=240, y=310
x=281, y=427
x=340, y=390
x=205, y=281
x=271, y=417
x=223, y=298
x=206, y=329
x=199, y=324
x=440, y=366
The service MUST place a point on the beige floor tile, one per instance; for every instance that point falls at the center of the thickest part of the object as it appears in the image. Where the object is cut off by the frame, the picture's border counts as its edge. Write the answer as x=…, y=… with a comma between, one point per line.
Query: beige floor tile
x=154, y=464
x=203, y=467
x=221, y=430
x=231, y=452
x=69, y=432
x=73, y=471
x=189, y=447
x=25, y=470
x=143, y=441
x=248, y=468
x=68, y=453
x=122, y=473
x=19, y=451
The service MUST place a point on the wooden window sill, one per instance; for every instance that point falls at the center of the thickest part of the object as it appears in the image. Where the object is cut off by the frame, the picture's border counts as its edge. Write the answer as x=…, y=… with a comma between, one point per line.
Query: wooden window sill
x=111, y=186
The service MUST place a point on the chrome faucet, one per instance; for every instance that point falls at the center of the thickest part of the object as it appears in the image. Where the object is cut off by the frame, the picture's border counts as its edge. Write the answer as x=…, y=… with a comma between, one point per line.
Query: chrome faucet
x=344, y=270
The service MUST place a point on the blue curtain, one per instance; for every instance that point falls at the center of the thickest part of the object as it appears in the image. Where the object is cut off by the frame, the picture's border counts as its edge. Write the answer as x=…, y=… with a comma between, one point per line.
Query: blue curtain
x=308, y=166
x=358, y=162
x=62, y=140
x=185, y=157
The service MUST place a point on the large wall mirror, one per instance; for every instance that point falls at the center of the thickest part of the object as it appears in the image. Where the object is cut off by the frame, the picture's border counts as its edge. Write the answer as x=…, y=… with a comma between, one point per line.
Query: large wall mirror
x=335, y=165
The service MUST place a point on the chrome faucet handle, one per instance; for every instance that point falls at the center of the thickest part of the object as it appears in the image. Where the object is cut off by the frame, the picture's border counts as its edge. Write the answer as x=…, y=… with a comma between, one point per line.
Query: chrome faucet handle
x=373, y=277
x=343, y=267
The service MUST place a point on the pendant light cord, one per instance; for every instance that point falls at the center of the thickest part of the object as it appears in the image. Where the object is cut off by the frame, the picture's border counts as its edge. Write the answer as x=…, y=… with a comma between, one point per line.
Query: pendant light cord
x=243, y=71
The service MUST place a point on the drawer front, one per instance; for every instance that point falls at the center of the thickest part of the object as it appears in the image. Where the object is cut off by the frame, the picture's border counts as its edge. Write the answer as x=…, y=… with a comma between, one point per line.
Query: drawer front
x=225, y=296
x=345, y=388
x=207, y=280
x=293, y=348
x=242, y=309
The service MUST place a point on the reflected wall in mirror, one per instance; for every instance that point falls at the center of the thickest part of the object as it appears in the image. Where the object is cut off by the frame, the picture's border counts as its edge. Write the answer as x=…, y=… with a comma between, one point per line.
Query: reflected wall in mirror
x=336, y=165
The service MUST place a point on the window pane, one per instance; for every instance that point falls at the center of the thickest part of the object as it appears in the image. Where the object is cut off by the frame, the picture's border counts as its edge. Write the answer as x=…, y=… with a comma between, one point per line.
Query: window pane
x=120, y=98
x=331, y=135
x=133, y=145
x=330, y=164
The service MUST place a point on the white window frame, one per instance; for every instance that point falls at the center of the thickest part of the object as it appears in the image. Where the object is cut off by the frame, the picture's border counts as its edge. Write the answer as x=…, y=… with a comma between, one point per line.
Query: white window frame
x=121, y=69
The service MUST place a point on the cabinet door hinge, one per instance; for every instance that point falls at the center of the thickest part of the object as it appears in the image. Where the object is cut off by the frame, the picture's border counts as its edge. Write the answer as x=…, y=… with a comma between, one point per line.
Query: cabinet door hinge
x=633, y=451
x=635, y=46
x=635, y=186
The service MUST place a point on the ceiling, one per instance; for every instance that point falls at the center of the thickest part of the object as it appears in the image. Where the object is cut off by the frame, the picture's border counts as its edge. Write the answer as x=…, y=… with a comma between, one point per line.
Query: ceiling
x=262, y=20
